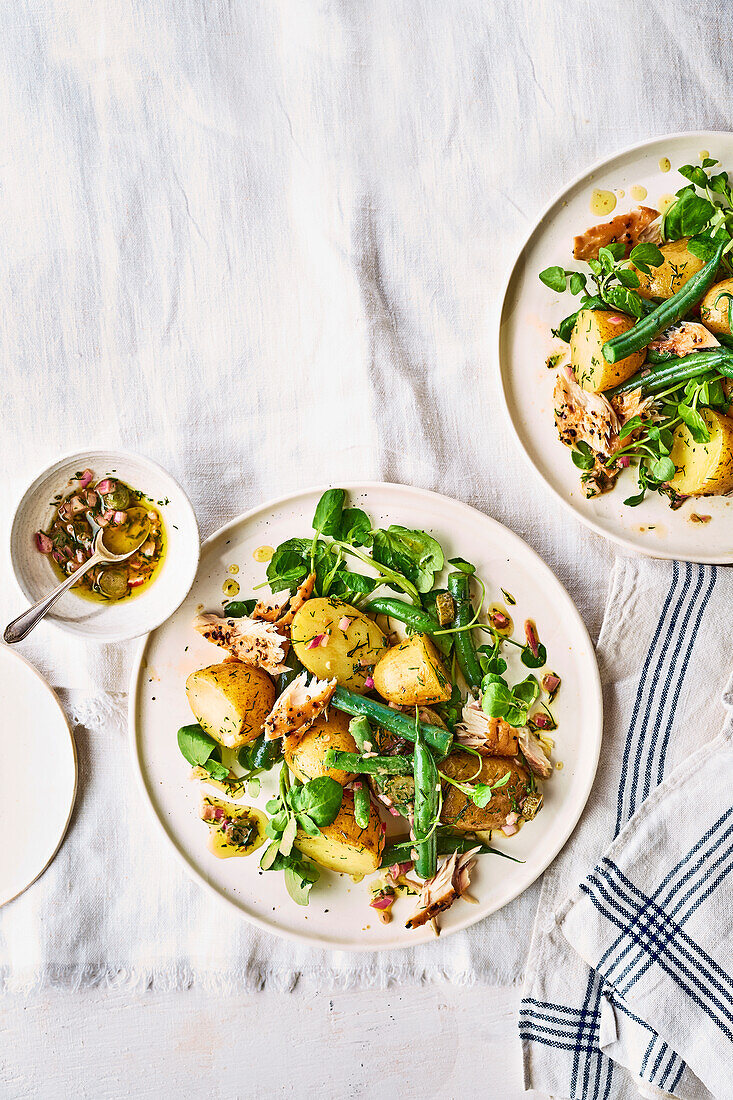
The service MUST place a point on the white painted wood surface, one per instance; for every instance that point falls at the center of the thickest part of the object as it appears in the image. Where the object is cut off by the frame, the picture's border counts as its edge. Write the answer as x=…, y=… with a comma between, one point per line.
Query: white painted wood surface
x=390, y=1044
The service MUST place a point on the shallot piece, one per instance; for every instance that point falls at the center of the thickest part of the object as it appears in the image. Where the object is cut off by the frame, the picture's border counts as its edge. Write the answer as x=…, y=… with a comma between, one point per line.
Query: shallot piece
x=542, y=721
x=499, y=620
x=624, y=461
x=509, y=830
x=120, y=517
x=43, y=542
x=85, y=479
x=383, y=902
x=530, y=633
x=105, y=486
x=369, y=683
x=550, y=682
x=315, y=642
x=135, y=582
x=344, y=622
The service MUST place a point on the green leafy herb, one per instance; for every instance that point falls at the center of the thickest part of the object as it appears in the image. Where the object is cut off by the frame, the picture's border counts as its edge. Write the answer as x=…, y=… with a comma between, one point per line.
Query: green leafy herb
x=583, y=457
x=462, y=565
x=498, y=700
x=414, y=554
x=328, y=514
x=202, y=751
x=239, y=609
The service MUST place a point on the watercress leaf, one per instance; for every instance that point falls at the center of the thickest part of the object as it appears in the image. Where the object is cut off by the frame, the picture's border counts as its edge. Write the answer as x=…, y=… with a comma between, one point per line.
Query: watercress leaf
x=289, y=834
x=528, y=658
x=703, y=246
x=308, y=825
x=327, y=517
x=319, y=798
x=195, y=745
x=695, y=174
x=630, y=426
x=355, y=528
x=527, y=691
x=462, y=565
x=481, y=795
x=719, y=183
x=577, y=282
x=625, y=300
x=273, y=805
x=688, y=215
x=348, y=586
x=299, y=879
x=238, y=609
x=269, y=855
x=496, y=699
x=709, y=162
x=635, y=501
x=648, y=254
x=627, y=277
x=565, y=329
x=582, y=461
x=290, y=564
x=662, y=469
x=555, y=278
x=617, y=249
x=216, y=770
x=414, y=554
x=696, y=424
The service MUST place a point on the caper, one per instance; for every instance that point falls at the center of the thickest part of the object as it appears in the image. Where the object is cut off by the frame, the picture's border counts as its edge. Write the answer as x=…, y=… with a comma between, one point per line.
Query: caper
x=119, y=498
x=113, y=583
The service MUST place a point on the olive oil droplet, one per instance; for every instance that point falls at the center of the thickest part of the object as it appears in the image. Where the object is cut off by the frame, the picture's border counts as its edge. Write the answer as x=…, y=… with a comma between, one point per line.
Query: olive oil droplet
x=602, y=202
x=234, y=569
x=664, y=164
x=263, y=553
x=638, y=192
x=230, y=588
x=665, y=201
x=704, y=154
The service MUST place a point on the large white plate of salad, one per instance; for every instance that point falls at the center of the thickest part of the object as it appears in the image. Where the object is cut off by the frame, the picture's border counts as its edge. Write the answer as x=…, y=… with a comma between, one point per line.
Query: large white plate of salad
x=375, y=706
x=616, y=347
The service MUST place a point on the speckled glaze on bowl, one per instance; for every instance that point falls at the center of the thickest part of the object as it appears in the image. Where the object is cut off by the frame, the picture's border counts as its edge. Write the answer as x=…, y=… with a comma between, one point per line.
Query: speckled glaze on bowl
x=112, y=622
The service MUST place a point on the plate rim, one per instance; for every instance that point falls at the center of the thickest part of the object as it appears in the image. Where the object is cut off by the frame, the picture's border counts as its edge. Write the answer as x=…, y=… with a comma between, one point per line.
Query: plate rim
x=75, y=759
x=587, y=521
x=594, y=685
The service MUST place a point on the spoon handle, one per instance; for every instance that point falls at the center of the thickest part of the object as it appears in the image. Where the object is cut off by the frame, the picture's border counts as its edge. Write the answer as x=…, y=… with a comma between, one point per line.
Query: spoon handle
x=21, y=627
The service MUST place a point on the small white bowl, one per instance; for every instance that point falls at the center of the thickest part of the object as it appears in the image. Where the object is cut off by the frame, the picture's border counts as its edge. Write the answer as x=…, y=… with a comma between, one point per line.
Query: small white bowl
x=113, y=622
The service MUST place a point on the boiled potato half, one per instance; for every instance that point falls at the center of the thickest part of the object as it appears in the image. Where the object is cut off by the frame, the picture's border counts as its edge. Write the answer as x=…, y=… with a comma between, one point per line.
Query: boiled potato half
x=679, y=266
x=305, y=759
x=343, y=846
x=411, y=673
x=354, y=643
x=704, y=468
x=230, y=701
x=458, y=810
x=715, y=307
x=593, y=329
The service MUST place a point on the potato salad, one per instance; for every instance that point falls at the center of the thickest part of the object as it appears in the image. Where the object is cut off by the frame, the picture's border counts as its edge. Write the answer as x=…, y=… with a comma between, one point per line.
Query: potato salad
x=645, y=364
x=407, y=725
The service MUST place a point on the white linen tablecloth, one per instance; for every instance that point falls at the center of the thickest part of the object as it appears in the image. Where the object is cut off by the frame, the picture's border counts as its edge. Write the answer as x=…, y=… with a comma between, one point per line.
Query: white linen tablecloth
x=263, y=243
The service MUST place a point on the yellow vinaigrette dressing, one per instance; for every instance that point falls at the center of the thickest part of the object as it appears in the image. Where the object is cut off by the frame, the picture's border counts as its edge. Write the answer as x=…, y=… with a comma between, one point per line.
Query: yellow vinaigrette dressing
x=126, y=515
x=602, y=202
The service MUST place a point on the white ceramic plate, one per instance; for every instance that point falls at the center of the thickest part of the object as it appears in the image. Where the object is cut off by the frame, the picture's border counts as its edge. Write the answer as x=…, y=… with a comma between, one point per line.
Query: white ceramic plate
x=530, y=310
x=38, y=776
x=339, y=914
x=114, y=621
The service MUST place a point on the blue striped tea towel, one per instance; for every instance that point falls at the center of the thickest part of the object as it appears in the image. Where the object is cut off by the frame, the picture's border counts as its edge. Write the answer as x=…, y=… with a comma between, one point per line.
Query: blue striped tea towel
x=628, y=988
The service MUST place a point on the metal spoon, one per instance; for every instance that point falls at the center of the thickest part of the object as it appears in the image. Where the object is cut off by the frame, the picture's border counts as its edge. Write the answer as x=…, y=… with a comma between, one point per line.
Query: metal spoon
x=21, y=627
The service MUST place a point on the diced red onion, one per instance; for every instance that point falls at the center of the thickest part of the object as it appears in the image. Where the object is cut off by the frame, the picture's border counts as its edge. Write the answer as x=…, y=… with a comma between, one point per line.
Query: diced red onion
x=344, y=622
x=58, y=557
x=135, y=582
x=120, y=517
x=369, y=683
x=623, y=461
x=325, y=638
x=105, y=486
x=398, y=869
x=105, y=518
x=43, y=542
x=76, y=506
x=499, y=620
x=509, y=830
x=532, y=640
x=91, y=497
x=542, y=721
x=550, y=682
x=85, y=478
x=512, y=818
x=381, y=903
x=315, y=642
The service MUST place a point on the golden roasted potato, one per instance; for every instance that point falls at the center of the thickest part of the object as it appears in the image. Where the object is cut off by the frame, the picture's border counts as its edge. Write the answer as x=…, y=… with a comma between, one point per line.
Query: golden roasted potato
x=458, y=810
x=331, y=731
x=230, y=701
x=354, y=643
x=343, y=846
x=412, y=672
x=715, y=307
x=679, y=266
x=704, y=468
x=593, y=329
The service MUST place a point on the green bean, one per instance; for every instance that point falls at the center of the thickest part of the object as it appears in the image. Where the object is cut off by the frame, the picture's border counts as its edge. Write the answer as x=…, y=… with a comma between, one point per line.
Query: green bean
x=416, y=620
x=427, y=789
x=362, y=803
x=402, y=850
x=260, y=754
x=368, y=765
x=361, y=731
x=677, y=371
x=393, y=720
x=665, y=314
x=459, y=586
